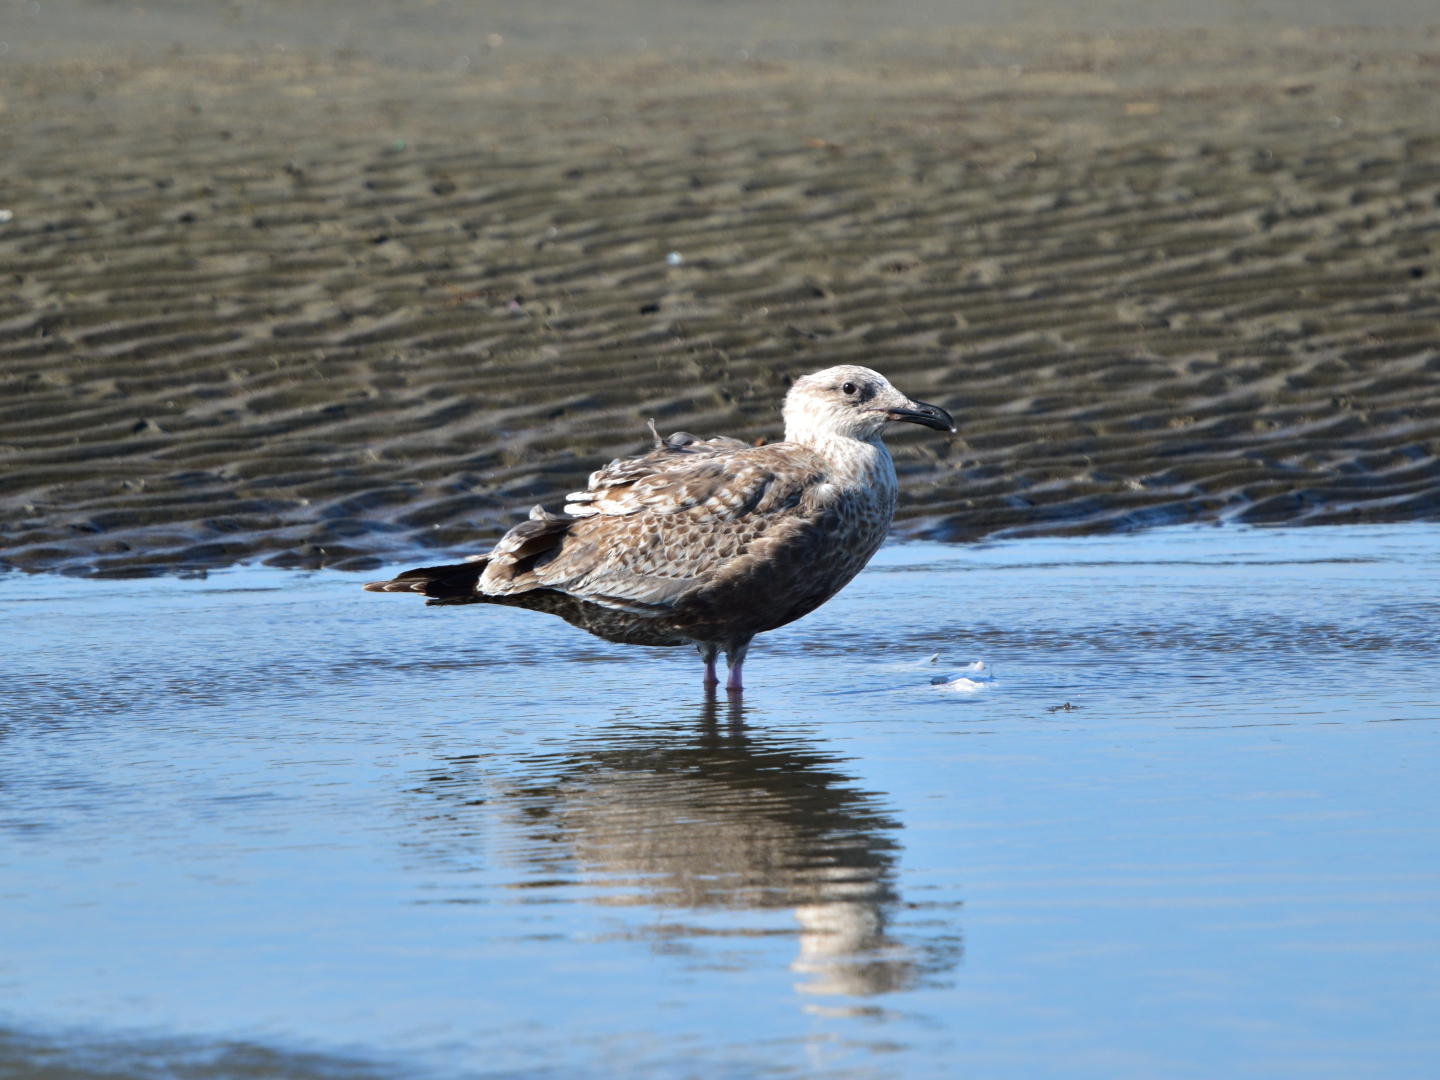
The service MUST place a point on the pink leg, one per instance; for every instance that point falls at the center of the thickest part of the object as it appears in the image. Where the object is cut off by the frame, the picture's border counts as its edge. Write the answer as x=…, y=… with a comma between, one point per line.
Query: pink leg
x=733, y=685
x=711, y=679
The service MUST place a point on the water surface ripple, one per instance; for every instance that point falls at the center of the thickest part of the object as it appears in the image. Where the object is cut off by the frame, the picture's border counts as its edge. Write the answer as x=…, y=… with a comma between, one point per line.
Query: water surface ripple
x=1182, y=824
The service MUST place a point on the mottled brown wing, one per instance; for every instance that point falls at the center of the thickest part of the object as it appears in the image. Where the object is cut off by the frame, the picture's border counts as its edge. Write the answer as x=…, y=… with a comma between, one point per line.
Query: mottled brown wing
x=651, y=529
x=679, y=450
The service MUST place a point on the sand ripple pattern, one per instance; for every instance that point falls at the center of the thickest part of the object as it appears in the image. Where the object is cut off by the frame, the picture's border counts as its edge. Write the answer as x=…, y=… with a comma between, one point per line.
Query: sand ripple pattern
x=316, y=311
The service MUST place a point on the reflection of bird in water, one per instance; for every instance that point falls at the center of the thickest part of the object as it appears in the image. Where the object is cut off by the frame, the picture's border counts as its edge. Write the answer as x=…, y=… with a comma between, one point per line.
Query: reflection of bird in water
x=707, y=543
x=720, y=820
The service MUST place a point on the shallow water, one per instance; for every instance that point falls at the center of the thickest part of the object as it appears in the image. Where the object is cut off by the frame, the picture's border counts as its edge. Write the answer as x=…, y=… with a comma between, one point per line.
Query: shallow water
x=267, y=824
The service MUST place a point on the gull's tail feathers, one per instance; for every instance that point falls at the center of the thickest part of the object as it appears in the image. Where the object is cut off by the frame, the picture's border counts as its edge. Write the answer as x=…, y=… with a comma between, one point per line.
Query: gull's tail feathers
x=453, y=584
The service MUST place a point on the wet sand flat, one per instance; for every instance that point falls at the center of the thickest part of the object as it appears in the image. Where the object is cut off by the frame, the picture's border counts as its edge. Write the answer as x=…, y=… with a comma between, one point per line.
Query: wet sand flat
x=332, y=303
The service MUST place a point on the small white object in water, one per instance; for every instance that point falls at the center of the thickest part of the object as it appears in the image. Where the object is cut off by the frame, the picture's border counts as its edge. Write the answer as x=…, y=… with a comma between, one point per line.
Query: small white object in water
x=674, y=258
x=7, y=215
x=968, y=680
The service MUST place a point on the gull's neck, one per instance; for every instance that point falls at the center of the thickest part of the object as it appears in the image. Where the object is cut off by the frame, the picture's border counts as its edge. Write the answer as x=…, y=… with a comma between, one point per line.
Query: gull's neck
x=851, y=462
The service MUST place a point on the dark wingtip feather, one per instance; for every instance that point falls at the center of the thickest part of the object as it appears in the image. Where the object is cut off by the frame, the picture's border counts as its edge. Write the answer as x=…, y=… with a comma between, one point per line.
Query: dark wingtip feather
x=455, y=582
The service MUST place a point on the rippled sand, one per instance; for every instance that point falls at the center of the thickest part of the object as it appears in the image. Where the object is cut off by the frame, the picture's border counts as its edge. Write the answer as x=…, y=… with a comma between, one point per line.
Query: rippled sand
x=328, y=305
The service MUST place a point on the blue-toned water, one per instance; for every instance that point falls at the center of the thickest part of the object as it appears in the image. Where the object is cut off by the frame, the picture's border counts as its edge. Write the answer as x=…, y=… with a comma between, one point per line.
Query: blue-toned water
x=269, y=824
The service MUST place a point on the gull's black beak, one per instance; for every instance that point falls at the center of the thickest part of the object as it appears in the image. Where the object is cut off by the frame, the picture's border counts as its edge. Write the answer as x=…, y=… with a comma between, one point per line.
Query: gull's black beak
x=917, y=412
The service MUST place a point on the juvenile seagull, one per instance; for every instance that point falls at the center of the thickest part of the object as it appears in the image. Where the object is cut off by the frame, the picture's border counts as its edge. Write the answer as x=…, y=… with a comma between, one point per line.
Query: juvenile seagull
x=707, y=542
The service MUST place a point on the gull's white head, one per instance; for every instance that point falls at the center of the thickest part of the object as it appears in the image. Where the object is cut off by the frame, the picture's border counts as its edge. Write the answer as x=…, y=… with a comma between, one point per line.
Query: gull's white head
x=852, y=403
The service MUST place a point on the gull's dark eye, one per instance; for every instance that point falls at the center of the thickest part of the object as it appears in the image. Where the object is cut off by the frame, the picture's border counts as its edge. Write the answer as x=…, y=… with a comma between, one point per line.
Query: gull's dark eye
x=848, y=388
